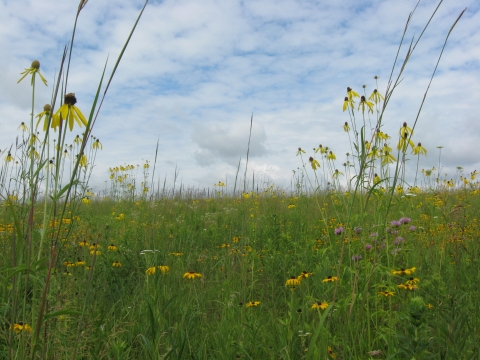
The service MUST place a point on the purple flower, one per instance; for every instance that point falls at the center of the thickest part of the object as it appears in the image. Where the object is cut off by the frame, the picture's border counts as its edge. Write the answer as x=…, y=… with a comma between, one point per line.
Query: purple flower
x=358, y=230
x=398, y=240
x=395, y=251
x=357, y=257
x=412, y=228
x=395, y=223
x=338, y=230
x=368, y=247
x=405, y=220
x=375, y=234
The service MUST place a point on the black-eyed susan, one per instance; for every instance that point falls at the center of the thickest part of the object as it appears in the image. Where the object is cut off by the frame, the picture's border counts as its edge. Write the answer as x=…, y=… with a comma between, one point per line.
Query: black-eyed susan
x=69, y=112
x=305, y=274
x=192, y=275
x=151, y=270
x=252, y=304
x=83, y=243
x=330, y=278
x=20, y=326
x=117, y=264
x=95, y=252
x=236, y=239
x=293, y=281
x=112, y=247
x=176, y=253
x=385, y=293
x=412, y=281
x=163, y=268
x=68, y=264
x=95, y=246
x=408, y=287
x=33, y=69
x=80, y=262
x=331, y=353
x=321, y=305
x=403, y=271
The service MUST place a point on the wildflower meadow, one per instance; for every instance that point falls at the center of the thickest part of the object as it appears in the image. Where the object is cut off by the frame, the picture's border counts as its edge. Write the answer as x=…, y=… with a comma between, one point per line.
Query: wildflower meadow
x=353, y=261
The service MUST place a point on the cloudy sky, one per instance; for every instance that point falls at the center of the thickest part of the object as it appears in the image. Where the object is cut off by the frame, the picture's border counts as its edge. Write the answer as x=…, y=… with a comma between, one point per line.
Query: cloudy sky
x=195, y=72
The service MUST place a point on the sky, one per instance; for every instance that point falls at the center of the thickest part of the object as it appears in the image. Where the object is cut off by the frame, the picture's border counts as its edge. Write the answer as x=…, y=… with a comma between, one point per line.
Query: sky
x=195, y=72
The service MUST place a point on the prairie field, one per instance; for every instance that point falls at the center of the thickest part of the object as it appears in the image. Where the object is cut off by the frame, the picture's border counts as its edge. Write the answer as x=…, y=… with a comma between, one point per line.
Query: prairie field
x=365, y=255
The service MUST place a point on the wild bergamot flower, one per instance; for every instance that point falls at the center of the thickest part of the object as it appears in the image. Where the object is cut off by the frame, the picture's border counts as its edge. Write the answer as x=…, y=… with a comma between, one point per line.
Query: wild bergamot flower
x=33, y=69
x=69, y=112
x=192, y=275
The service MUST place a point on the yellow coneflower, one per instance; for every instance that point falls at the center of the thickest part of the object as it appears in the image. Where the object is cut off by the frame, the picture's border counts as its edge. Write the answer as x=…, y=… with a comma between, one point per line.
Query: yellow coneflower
x=20, y=326
x=364, y=102
x=330, y=279
x=9, y=157
x=69, y=112
x=33, y=69
x=252, y=303
x=86, y=200
x=419, y=150
x=97, y=145
x=116, y=264
x=385, y=293
x=314, y=163
x=293, y=281
x=347, y=103
x=192, y=275
x=320, y=305
x=23, y=127
x=351, y=94
x=376, y=96
x=331, y=156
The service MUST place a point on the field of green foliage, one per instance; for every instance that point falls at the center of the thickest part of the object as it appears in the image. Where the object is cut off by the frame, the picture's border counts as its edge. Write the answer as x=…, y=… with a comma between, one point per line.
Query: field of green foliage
x=355, y=261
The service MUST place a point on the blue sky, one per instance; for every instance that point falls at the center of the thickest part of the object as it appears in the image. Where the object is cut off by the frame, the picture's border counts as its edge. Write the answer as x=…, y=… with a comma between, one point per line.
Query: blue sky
x=194, y=73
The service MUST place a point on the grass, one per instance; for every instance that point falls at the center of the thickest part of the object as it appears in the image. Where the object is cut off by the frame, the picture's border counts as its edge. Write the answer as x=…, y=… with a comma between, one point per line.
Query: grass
x=350, y=264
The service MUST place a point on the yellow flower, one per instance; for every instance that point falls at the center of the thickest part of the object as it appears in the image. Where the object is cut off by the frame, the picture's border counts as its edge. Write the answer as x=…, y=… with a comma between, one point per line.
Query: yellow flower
x=331, y=353
x=305, y=274
x=116, y=264
x=405, y=131
x=192, y=275
x=83, y=243
x=9, y=157
x=386, y=293
x=80, y=263
x=364, y=102
x=33, y=69
x=408, y=287
x=412, y=281
x=112, y=247
x=164, y=268
x=336, y=174
x=95, y=252
x=151, y=270
x=320, y=305
x=300, y=151
x=388, y=158
x=376, y=96
x=346, y=127
x=314, y=163
x=346, y=103
x=69, y=112
x=331, y=156
x=19, y=327
x=403, y=271
x=176, y=253
x=86, y=200
x=330, y=279
x=97, y=145
x=376, y=179
x=44, y=114
x=293, y=281
x=351, y=94
x=419, y=150
x=252, y=303
x=23, y=127
x=83, y=161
